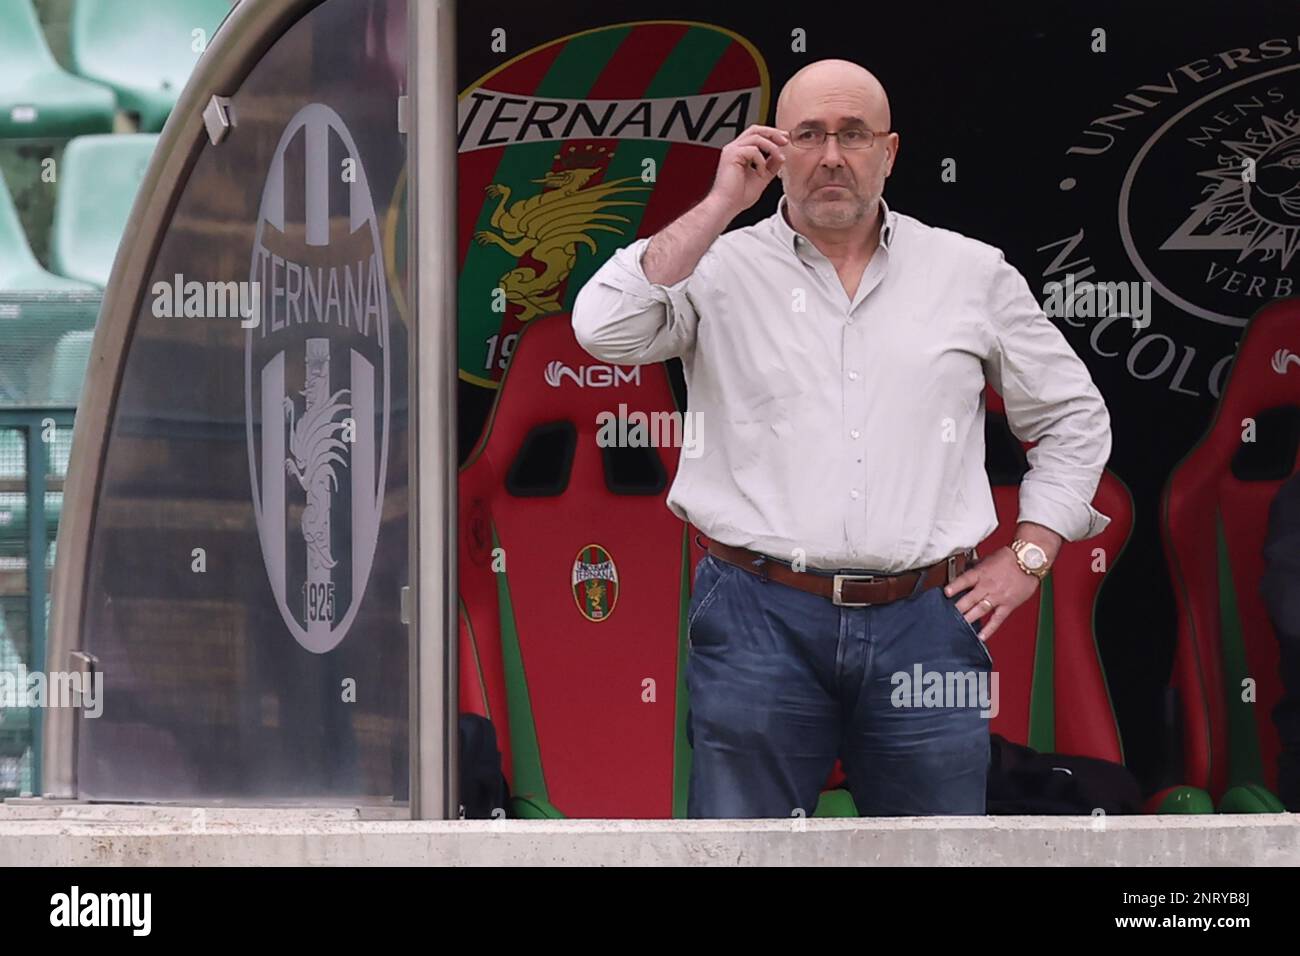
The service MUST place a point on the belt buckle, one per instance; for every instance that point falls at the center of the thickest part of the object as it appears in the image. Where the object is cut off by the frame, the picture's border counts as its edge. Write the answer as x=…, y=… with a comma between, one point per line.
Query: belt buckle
x=838, y=582
x=972, y=557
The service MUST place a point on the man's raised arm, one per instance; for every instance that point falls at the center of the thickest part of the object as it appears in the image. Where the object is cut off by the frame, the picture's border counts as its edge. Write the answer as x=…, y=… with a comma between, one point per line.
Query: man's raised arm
x=638, y=306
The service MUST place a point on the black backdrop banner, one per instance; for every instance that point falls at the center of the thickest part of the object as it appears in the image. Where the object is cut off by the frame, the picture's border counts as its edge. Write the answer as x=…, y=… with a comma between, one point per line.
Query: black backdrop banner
x=1105, y=140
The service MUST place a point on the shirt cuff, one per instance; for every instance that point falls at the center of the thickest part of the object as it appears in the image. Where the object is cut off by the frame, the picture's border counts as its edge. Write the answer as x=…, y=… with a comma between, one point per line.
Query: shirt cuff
x=1061, y=510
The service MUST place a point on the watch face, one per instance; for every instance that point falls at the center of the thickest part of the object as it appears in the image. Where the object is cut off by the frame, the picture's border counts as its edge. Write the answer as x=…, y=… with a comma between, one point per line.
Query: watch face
x=1034, y=557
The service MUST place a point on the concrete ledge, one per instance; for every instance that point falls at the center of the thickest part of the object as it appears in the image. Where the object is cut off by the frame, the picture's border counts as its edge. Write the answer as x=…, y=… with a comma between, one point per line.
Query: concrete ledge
x=109, y=835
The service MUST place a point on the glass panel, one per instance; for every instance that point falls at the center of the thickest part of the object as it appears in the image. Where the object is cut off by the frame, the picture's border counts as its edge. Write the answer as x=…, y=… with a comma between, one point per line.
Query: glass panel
x=251, y=532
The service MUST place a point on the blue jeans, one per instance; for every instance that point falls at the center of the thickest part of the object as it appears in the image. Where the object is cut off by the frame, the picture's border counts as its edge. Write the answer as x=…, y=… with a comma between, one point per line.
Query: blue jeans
x=782, y=682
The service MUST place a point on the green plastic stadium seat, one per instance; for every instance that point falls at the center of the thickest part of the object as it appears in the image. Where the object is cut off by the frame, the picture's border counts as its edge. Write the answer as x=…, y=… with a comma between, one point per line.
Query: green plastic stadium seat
x=57, y=376
x=15, y=722
x=143, y=49
x=98, y=183
x=19, y=270
x=38, y=98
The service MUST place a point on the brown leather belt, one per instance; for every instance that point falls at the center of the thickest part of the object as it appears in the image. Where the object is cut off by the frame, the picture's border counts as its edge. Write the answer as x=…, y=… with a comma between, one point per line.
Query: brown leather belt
x=845, y=590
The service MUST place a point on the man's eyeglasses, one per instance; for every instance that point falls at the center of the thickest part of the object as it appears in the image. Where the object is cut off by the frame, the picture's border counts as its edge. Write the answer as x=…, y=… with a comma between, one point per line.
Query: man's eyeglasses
x=854, y=137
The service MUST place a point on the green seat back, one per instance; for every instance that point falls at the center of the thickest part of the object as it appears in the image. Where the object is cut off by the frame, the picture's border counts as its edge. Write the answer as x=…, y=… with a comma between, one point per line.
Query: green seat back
x=97, y=186
x=144, y=49
x=58, y=375
x=15, y=722
x=38, y=98
x=19, y=270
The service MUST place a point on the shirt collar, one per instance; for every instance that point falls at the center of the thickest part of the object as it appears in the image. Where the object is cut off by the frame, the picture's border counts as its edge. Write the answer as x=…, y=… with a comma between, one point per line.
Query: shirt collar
x=793, y=240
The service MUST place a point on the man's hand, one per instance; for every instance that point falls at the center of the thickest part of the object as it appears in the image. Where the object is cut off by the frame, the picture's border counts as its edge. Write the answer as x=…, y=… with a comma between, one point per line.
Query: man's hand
x=748, y=163
x=997, y=585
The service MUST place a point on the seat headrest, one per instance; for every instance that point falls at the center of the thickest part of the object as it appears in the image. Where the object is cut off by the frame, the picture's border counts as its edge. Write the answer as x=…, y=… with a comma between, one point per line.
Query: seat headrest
x=552, y=379
x=1266, y=371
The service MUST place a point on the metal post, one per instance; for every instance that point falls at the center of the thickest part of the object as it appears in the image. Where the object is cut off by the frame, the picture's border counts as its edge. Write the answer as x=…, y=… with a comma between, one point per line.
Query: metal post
x=431, y=196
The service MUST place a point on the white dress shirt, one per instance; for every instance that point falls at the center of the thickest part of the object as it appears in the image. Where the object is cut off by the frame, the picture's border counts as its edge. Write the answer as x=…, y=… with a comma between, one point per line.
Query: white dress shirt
x=850, y=432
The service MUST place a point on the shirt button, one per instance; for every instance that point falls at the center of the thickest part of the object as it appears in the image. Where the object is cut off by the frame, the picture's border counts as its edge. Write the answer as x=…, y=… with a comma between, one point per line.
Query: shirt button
x=853, y=376
x=854, y=494
x=855, y=434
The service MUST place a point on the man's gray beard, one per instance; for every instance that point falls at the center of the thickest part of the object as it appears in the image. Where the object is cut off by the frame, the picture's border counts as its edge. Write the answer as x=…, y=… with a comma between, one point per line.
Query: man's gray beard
x=835, y=215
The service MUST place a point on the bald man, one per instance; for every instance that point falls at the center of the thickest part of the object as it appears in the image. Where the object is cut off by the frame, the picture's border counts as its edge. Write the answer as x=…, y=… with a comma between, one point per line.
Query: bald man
x=837, y=353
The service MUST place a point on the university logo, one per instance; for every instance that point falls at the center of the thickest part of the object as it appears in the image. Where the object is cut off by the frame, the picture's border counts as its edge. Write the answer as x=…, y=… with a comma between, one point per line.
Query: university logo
x=562, y=150
x=1202, y=161
x=317, y=382
x=595, y=583
x=1230, y=232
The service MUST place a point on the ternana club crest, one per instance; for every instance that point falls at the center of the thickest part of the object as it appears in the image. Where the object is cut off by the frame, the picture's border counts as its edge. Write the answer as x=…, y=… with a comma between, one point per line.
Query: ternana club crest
x=555, y=150
x=317, y=385
x=595, y=583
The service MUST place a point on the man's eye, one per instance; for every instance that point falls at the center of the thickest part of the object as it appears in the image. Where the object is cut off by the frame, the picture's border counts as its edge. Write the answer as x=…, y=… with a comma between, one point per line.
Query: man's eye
x=853, y=135
x=806, y=135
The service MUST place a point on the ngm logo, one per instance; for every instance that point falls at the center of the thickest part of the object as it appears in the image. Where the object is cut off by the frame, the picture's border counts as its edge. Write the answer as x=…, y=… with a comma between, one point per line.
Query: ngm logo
x=317, y=382
x=592, y=376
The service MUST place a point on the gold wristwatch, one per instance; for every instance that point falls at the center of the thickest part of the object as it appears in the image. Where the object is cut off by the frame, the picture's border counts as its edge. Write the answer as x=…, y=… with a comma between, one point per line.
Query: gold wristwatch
x=1031, y=558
